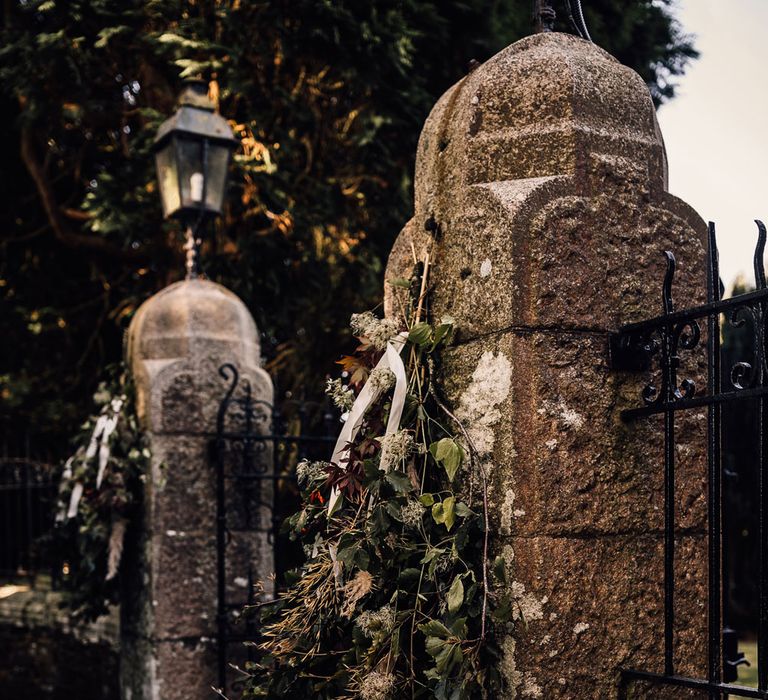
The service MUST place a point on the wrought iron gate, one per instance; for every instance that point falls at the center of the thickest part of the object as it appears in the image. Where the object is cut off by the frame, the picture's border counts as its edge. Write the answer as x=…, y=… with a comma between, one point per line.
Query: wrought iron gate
x=255, y=452
x=657, y=344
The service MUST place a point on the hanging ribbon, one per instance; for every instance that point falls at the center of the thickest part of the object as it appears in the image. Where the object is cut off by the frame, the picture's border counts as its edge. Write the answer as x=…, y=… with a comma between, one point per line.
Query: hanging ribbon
x=389, y=360
x=98, y=445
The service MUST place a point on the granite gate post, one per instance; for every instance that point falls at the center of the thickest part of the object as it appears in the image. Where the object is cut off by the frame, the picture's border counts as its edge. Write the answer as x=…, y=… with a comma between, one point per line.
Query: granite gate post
x=541, y=197
x=176, y=343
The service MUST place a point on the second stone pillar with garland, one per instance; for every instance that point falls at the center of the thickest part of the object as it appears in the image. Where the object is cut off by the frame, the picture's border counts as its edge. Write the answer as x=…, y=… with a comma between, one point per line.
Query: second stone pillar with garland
x=541, y=197
x=177, y=342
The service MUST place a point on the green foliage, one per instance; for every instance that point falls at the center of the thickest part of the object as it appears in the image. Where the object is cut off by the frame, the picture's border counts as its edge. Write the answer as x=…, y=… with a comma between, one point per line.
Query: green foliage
x=392, y=600
x=327, y=99
x=100, y=498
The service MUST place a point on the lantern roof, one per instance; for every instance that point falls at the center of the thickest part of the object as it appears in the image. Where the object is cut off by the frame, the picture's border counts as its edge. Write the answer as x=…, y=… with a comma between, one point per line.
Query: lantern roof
x=196, y=118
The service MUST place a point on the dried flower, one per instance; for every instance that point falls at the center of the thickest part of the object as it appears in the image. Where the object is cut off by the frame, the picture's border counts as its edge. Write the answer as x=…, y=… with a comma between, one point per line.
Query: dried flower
x=377, y=686
x=382, y=379
x=116, y=539
x=412, y=513
x=308, y=472
x=377, y=330
x=377, y=625
x=394, y=449
x=354, y=590
x=342, y=396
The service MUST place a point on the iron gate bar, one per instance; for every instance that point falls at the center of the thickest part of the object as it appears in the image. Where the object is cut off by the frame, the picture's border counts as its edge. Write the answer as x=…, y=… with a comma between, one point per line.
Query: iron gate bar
x=698, y=402
x=670, y=369
x=718, y=689
x=696, y=312
x=762, y=626
x=249, y=430
x=665, y=336
x=714, y=500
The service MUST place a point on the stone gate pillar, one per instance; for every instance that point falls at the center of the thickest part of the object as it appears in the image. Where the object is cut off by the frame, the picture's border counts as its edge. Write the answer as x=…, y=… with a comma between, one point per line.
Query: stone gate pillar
x=542, y=179
x=176, y=343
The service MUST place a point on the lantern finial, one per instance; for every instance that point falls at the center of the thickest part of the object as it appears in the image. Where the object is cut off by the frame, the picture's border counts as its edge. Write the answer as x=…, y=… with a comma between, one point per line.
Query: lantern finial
x=192, y=153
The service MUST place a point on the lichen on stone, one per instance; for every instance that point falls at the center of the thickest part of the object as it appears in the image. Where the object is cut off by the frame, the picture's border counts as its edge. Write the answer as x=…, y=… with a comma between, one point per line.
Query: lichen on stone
x=507, y=512
x=478, y=406
x=528, y=607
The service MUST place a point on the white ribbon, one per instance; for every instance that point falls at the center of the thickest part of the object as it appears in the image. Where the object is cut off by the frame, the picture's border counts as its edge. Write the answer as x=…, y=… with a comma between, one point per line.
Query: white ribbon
x=389, y=360
x=99, y=444
x=109, y=427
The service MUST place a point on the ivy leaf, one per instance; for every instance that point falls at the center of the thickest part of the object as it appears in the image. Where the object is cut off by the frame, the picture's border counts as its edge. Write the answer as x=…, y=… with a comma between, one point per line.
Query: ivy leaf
x=435, y=628
x=459, y=627
x=503, y=611
x=433, y=553
x=399, y=481
x=434, y=645
x=409, y=574
x=462, y=510
x=362, y=559
x=455, y=595
x=347, y=556
x=448, y=658
x=449, y=454
x=427, y=499
x=442, y=332
x=500, y=569
x=449, y=514
x=420, y=334
x=445, y=513
x=399, y=282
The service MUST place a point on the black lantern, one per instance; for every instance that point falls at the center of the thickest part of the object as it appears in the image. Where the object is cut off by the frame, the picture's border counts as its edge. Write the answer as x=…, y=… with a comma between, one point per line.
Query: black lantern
x=192, y=152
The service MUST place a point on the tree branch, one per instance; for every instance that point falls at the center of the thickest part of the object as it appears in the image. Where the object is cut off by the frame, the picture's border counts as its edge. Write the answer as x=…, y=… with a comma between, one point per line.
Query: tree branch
x=59, y=226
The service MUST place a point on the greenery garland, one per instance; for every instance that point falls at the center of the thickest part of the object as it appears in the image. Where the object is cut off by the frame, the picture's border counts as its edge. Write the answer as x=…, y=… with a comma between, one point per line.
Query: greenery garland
x=99, y=497
x=394, y=598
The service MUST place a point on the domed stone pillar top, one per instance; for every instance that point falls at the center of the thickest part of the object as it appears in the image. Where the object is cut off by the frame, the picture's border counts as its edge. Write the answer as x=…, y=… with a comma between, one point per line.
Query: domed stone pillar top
x=541, y=203
x=191, y=326
x=548, y=117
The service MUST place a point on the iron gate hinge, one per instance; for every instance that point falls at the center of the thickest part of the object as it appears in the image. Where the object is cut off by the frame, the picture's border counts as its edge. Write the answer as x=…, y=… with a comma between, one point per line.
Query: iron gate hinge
x=629, y=352
x=732, y=657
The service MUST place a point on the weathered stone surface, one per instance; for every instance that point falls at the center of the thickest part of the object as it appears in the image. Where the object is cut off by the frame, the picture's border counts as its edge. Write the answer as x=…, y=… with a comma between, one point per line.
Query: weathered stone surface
x=189, y=664
x=574, y=640
x=176, y=344
x=561, y=460
x=542, y=175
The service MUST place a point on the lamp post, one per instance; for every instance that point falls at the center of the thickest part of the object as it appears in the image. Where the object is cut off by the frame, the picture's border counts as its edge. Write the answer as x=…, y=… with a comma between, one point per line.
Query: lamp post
x=192, y=153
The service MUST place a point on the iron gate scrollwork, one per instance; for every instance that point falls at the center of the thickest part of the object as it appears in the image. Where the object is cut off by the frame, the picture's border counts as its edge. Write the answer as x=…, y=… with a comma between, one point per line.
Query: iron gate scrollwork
x=255, y=452
x=657, y=345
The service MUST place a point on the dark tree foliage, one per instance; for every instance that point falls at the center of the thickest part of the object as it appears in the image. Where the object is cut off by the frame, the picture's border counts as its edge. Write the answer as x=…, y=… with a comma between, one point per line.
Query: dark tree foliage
x=327, y=99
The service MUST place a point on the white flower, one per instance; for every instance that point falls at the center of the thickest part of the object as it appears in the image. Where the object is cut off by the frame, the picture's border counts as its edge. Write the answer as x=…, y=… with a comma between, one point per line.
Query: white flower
x=377, y=331
x=307, y=472
x=377, y=625
x=341, y=395
x=412, y=513
x=377, y=686
x=382, y=379
x=394, y=449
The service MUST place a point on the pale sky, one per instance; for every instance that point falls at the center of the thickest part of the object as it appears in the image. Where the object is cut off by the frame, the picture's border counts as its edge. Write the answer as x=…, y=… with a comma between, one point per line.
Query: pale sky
x=716, y=129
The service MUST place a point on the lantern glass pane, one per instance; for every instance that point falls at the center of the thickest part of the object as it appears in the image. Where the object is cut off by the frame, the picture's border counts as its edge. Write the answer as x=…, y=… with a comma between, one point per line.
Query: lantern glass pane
x=190, y=163
x=218, y=163
x=168, y=179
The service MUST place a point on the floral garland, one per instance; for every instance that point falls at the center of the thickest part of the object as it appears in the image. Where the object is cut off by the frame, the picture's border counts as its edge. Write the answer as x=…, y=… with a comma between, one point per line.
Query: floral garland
x=99, y=497
x=394, y=598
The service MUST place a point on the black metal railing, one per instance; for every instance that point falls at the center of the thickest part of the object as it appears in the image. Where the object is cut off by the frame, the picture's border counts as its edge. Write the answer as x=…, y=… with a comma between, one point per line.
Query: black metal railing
x=656, y=345
x=255, y=453
x=27, y=510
